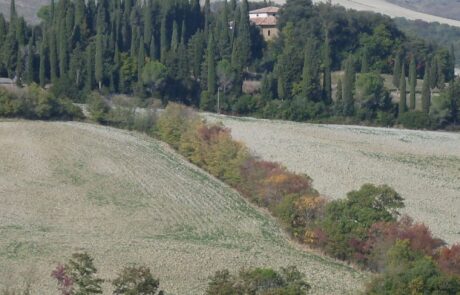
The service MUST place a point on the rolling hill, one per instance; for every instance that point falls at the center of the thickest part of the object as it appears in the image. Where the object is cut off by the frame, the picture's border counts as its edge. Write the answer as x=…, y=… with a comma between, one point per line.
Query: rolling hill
x=445, y=8
x=423, y=166
x=126, y=198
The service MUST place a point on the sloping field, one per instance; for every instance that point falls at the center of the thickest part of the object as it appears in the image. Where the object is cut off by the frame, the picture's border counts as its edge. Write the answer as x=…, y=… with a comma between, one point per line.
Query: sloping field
x=126, y=198
x=392, y=10
x=424, y=167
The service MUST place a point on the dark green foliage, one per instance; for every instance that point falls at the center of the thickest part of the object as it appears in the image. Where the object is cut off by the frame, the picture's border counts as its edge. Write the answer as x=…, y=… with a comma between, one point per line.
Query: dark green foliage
x=211, y=61
x=413, y=83
x=37, y=104
x=83, y=273
x=415, y=120
x=402, y=92
x=258, y=281
x=397, y=71
x=426, y=89
x=348, y=87
x=349, y=219
x=371, y=96
x=410, y=272
x=136, y=281
x=310, y=76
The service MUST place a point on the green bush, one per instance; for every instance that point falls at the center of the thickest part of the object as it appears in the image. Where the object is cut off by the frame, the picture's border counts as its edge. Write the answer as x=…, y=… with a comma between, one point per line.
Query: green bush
x=415, y=120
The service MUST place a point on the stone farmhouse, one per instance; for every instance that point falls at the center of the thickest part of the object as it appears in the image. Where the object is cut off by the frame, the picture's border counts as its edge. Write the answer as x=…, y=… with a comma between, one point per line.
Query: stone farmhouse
x=267, y=20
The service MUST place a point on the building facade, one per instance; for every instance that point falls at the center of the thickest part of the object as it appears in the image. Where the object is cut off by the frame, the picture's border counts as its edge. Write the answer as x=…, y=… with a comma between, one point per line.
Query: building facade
x=267, y=20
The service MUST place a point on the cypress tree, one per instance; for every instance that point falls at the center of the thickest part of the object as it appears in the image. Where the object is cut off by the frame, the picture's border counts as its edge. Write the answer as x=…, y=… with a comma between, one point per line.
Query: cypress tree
x=434, y=72
x=396, y=71
x=426, y=91
x=413, y=83
x=42, y=69
x=402, y=92
x=63, y=43
x=310, y=75
x=53, y=56
x=211, y=61
x=29, y=76
x=452, y=62
x=148, y=22
x=266, y=89
x=441, y=77
x=13, y=13
x=163, y=40
x=242, y=44
x=207, y=17
x=153, y=49
x=89, y=67
x=348, y=88
x=365, y=61
x=99, y=63
x=175, y=37
x=327, y=83
x=140, y=58
x=338, y=95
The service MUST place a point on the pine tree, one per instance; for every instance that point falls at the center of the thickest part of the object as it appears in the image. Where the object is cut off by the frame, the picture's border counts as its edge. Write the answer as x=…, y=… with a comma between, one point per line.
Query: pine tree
x=211, y=61
x=413, y=83
x=348, y=88
x=327, y=83
x=396, y=71
x=402, y=92
x=426, y=89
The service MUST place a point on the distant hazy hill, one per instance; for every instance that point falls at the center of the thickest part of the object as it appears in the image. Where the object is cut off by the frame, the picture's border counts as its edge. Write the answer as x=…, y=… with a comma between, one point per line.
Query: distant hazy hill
x=444, y=8
x=26, y=8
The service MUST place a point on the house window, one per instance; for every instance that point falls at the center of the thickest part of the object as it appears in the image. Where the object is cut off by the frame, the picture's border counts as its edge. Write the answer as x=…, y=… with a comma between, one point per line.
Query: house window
x=268, y=33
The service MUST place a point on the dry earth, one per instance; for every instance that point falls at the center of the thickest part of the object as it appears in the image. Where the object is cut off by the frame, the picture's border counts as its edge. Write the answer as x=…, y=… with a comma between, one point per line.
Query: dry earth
x=126, y=198
x=424, y=167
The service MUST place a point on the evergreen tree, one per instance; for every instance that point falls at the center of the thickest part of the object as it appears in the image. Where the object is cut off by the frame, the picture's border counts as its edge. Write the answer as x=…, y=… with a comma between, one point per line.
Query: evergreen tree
x=348, y=88
x=29, y=76
x=211, y=61
x=148, y=22
x=207, y=17
x=426, y=89
x=397, y=71
x=140, y=58
x=242, y=44
x=43, y=61
x=310, y=76
x=175, y=37
x=99, y=62
x=433, y=72
x=327, y=82
x=153, y=49
x=452, y=62
x=89, y=67
x=338, y=95
x=413, y=83
x=164, y=40
x=53, y=56
x=402, y=92
x=266, y=89
x=365, y=61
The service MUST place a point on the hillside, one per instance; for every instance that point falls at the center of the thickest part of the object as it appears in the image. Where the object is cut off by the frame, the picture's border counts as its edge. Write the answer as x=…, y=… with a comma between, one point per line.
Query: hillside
x=125, y=198
x=26, y=8
x=445, y=8
x=423, y=166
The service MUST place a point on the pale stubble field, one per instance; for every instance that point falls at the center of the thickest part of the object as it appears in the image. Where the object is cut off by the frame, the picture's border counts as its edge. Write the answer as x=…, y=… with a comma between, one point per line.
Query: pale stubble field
x=423, y=166
x=126, y=198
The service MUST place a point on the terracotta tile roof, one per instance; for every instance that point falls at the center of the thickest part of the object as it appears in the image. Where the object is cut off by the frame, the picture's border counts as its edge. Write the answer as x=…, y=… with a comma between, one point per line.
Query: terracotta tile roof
x=265, y=21
x=270, y=9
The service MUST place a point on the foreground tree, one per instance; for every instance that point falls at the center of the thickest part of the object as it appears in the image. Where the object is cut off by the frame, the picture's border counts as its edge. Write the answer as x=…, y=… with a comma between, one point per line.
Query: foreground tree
x=136, y=281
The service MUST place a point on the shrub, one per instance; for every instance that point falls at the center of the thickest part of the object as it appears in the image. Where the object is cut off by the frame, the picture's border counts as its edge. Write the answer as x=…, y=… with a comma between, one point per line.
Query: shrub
x=415, y=120
x=448, y=259
x=136, y=281
x=261, y=281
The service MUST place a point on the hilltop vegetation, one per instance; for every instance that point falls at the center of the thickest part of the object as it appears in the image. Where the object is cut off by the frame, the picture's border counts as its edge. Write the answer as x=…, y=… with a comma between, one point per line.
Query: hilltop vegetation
x=180, y=52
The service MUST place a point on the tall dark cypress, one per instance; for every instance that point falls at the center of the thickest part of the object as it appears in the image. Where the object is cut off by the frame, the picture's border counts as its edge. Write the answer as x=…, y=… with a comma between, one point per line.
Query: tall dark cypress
x=402, y=92
x=310, y=75
x=211, y=62
x=242, y=44
x=413, y=83
x=164, y=44
x=140, y=58
x=365, y=61
x=43, y=60
x=452, y=63
x=89, y=81
x=348, y=88
x=327, y=81
x=397, y=71
x=426, y=89
x=29, y=76
x=148, y=22
x=99, y=63
x=53, y=55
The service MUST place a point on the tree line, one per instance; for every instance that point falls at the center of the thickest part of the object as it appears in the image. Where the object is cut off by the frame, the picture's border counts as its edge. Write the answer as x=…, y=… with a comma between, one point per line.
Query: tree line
x=200, y=56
